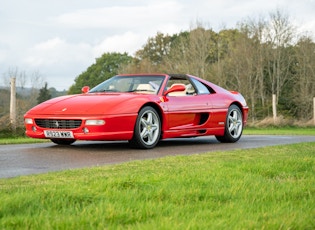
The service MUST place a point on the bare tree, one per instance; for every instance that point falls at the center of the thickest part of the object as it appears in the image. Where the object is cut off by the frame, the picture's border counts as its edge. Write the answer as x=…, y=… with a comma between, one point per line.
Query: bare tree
x=20, y=77
x=37, y=80
x=248, y=56
x=190, y=52
x=279, y=38
x=304, y=84
x=242, y=69
x=25, y=100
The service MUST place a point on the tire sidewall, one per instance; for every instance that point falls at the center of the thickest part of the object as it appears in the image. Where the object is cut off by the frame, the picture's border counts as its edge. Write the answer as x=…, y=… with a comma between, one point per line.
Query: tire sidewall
x=137, y=140
x=228, y=136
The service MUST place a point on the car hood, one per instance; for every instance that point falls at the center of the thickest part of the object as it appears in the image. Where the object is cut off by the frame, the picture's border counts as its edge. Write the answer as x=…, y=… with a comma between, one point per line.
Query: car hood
x=92, y=104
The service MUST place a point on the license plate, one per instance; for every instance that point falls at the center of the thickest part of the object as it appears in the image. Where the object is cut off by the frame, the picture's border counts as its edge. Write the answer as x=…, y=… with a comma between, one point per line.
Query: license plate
x=58, y=134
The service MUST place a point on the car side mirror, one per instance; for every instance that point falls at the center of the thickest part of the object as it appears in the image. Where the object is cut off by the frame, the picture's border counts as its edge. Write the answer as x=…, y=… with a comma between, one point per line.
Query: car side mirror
x=85, y=89
x=175, y=88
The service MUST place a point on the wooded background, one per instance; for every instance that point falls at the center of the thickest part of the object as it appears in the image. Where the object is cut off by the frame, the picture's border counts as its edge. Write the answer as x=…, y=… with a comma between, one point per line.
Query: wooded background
x=260, y=58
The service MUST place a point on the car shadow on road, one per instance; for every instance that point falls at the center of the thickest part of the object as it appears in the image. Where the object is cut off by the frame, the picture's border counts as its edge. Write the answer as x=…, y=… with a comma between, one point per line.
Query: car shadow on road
x=124, y=145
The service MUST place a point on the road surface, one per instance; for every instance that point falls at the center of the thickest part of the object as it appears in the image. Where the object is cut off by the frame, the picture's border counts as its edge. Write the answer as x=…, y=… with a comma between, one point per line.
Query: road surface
x=25, y=159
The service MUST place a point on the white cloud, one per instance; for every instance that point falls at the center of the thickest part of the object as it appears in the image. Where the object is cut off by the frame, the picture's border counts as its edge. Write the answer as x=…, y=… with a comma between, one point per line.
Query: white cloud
x=57, y=52
x=59, y=61
x=61, y=39
x=128, y=42
x=121, y=17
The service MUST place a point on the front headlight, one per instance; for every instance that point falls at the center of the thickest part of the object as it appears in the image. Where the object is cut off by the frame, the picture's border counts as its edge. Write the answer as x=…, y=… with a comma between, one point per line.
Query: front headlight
x=28, y=121
x=94, y=122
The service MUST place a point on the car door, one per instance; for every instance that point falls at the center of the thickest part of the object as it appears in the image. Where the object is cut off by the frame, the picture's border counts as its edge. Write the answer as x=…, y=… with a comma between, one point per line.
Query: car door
x=184, y=110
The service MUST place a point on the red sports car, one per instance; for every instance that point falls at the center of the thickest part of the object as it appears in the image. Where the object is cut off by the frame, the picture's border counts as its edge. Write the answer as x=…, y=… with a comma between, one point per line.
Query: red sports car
x=143, y=109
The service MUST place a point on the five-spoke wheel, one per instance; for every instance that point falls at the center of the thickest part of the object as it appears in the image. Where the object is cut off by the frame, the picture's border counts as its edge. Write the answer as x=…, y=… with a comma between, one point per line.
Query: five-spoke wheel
x=233, y=125
x=147, y=129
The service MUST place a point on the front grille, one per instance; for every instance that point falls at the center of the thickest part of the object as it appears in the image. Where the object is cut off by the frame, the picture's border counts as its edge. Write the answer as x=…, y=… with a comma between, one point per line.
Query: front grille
x=58, y=123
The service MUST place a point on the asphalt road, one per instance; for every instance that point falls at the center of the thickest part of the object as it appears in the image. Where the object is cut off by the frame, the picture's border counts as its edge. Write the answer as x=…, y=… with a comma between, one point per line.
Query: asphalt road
x=25, y=159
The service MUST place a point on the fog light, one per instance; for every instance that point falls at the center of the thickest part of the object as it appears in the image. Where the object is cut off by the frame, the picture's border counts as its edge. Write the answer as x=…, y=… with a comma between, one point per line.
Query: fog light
x=94, y=122
x=34, y=129
x=85, y=130
x=28, y=121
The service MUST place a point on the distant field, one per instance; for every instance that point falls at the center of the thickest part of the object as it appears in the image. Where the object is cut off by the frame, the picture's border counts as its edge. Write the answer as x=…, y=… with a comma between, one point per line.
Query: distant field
x=264, y=188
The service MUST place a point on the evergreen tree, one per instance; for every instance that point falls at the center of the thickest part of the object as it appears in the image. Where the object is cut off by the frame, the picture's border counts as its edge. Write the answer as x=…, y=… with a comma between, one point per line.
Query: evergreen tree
x=44, y=94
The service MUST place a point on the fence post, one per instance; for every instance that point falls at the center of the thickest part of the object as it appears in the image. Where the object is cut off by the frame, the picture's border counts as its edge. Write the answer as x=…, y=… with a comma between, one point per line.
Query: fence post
x=13, y=105
x=314, y=110
x=274, y=108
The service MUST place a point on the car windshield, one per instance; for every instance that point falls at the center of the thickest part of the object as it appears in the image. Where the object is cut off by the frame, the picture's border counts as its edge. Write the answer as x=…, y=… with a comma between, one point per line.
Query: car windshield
x=138, y=84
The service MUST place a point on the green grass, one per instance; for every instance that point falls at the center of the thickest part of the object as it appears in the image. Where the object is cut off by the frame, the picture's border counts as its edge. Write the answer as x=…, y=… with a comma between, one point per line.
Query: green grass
x=265, y=188
x=7, y=136
x=20, y=140
x=279, y=131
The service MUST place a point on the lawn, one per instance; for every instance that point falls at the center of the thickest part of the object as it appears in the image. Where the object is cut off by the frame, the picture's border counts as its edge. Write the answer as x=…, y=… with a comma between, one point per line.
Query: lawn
x=264, y=188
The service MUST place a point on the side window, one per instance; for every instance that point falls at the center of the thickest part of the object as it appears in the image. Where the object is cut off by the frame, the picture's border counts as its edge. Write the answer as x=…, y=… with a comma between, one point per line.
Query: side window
x=201, y=88
x=180, y=81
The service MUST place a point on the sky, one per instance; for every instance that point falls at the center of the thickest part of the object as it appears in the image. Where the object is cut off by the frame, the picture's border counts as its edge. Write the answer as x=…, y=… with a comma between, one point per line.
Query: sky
x=60, y=39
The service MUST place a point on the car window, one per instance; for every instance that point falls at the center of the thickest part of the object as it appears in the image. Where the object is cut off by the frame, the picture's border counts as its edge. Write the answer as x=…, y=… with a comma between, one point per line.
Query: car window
x=137, y=84
x=201, y=88
x=190, y=90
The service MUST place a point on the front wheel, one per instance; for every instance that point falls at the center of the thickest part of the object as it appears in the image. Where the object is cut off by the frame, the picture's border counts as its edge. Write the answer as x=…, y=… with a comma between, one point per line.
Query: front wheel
x=147, y=130
x=233, y=125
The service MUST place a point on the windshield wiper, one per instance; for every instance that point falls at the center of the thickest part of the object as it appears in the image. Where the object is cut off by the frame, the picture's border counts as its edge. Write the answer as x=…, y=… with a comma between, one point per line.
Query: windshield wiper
x=140, y=90
x=104, y=91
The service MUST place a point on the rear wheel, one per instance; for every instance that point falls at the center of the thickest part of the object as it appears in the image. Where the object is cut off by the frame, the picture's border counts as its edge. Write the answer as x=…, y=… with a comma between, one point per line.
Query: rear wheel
x=147, y=130
x=233, y=125
x=63, y=141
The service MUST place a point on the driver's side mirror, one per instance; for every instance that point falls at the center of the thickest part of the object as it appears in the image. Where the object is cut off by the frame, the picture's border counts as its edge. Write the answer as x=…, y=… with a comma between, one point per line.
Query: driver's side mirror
x=175, y=88
x=85, y=89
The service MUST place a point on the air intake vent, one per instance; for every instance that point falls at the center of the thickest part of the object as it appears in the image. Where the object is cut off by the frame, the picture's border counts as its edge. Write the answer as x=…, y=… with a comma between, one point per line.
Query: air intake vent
x=203, y=118
x=58, y=124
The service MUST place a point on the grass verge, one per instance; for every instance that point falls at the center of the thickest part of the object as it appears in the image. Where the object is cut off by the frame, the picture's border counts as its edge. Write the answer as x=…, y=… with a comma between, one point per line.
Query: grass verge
x=274, y=130
x=20, y=140
x=265, y=188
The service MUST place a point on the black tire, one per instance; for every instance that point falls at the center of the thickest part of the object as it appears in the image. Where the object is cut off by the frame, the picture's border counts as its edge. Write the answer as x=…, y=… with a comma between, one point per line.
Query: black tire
x=233, y=125
x=147, y=130
x=63, y=141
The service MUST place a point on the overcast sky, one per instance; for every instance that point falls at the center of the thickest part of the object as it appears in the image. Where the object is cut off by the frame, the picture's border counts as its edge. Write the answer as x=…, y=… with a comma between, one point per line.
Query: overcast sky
x=60, y=39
